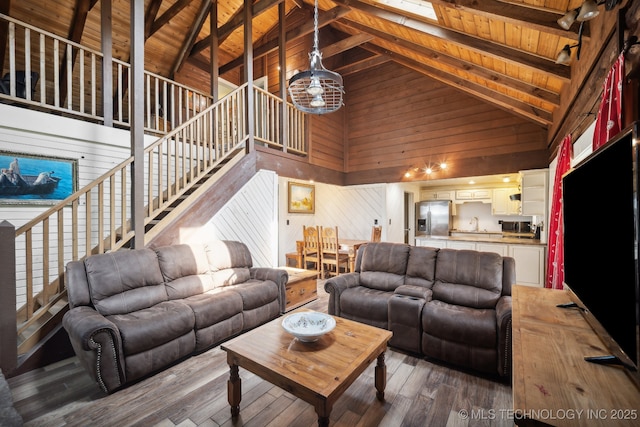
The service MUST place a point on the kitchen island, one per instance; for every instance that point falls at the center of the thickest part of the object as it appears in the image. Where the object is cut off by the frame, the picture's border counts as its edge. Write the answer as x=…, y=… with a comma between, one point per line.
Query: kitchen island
x=528, y=253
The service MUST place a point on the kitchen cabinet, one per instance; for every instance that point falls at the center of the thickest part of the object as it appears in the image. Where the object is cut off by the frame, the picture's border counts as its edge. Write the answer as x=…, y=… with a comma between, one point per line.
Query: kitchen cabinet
x=437, y=195
x=530, y=263
x=497, y=248
x=481, y=195
x=501, y=203
x=534, y=184
x=432, y=243
x=458, y=244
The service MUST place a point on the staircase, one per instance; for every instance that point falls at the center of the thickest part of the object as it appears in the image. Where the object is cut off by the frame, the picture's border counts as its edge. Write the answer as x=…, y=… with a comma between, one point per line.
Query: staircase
x=180, y=167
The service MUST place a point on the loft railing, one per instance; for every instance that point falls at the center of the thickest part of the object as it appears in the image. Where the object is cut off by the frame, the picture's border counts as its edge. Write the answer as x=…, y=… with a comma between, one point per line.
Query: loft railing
x=268, y=119
x=97, y=218
x=49, y=72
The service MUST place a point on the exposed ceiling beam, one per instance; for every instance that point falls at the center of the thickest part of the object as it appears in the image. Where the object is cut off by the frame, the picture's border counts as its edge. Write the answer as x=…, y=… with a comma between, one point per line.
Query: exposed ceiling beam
x=164, y=19
x=150, y=16
x=302, y=30
x=346, y=44
x=471, y=68
x=232, y=24
x=361, y=65
x=523, y=16
x=481, y=46
x=191, y=38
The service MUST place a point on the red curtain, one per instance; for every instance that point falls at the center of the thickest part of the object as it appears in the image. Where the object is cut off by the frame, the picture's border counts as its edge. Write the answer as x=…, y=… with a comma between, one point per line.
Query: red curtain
x=609, y=120
x=555, y=256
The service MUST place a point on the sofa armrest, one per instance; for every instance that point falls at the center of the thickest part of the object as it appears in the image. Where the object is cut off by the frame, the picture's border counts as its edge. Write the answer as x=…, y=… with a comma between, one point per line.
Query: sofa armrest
x=98, y=345
x=414, y=291
x=503, y=320
x=336, y=285
x=278, y=276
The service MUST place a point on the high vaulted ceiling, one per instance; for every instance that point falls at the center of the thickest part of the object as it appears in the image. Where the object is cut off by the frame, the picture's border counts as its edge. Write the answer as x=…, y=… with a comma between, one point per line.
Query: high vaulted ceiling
x=503, y=52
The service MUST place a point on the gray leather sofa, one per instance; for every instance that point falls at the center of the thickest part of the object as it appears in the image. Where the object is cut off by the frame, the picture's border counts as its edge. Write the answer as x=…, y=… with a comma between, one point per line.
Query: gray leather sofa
x=135, y=312
x=446, y=304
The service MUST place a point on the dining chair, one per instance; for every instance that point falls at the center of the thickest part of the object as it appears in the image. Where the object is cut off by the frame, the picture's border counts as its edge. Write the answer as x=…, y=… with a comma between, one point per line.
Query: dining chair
x=332, y=256
x=376, y=233
x=311, y=251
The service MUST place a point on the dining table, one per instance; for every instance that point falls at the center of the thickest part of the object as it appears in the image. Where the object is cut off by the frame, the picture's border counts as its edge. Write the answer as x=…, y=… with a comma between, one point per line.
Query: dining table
x=348, y=245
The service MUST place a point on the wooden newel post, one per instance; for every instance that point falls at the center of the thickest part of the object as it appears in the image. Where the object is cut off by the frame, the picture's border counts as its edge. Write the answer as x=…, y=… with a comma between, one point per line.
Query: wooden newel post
x=8, y=333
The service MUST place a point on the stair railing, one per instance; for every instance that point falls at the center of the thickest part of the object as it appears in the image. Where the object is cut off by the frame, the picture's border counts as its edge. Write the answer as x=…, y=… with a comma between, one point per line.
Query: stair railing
x=96, y=219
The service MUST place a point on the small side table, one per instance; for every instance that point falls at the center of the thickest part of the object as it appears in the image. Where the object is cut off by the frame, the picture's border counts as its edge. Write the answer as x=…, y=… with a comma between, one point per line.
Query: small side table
x=301, y=288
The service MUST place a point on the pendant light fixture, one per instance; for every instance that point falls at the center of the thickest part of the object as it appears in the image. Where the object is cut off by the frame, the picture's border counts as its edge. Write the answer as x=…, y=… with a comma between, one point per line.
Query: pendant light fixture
x=317, y=90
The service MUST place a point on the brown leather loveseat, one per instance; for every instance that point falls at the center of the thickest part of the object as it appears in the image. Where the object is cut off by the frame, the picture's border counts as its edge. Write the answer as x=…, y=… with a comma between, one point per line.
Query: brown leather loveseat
x=451, y=305
x=135, y=312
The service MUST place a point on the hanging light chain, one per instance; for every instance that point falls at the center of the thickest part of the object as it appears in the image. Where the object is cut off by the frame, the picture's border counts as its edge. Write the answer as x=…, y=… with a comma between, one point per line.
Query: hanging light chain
x=315, y=27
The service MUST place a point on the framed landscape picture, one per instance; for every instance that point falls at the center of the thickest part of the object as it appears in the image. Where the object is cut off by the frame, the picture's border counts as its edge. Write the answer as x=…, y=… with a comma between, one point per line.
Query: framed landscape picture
x=302, y=198
x=32, y=179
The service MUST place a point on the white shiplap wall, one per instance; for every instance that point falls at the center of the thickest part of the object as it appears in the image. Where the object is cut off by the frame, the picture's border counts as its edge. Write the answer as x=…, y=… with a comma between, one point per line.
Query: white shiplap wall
x=251, y=216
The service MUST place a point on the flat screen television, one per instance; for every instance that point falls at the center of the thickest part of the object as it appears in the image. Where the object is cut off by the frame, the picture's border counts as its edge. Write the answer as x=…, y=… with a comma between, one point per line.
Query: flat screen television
x=601, y=233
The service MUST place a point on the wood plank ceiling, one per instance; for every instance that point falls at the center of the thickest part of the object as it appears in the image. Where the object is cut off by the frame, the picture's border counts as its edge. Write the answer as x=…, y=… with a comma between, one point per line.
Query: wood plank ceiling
x=500, y=51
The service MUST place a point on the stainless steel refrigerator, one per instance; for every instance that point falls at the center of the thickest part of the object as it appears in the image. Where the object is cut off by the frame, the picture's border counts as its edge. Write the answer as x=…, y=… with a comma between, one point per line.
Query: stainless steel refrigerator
x=433, y=218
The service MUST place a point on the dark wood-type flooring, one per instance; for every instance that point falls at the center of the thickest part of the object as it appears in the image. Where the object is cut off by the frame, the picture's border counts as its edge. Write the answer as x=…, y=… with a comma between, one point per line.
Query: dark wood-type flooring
x=194, y=393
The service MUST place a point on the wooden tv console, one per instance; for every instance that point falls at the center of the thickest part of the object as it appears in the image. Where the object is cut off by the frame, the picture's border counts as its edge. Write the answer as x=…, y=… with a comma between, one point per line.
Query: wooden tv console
x=552, y=383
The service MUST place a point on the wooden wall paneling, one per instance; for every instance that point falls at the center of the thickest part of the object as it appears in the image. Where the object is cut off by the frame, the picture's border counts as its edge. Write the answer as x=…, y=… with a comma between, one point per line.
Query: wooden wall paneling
x=296, y=167
x=411, y=120
x=327, y=133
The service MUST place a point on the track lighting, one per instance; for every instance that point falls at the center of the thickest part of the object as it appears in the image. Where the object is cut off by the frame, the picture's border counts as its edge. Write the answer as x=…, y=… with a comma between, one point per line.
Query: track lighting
x=564, y=57
x=587, y=11
x=427, y=170
x=568, y=19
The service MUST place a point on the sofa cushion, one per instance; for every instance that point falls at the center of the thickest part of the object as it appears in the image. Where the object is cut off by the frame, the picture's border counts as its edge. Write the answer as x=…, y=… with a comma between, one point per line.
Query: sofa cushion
x=185, y=287
x=421, y=266
x=185, y=269
x=256, y=293
x=151, y=327
x=223, y=254
x=470, y=326
x=383, y=265
x=366, y=305
x=469, y=278
x=213, y=307
x=178, y=261
x=230, y=276
x=125, y=281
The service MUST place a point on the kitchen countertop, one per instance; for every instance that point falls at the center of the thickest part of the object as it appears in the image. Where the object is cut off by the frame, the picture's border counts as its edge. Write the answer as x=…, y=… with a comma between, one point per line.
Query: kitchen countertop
x=481, y=238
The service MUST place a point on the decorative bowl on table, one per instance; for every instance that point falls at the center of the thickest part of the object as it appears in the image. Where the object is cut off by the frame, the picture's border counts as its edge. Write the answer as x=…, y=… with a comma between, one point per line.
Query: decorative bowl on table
x=308, y=326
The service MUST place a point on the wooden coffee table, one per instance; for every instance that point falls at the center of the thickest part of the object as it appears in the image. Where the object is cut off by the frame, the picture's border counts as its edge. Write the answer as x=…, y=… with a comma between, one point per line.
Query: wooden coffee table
x=318, y=372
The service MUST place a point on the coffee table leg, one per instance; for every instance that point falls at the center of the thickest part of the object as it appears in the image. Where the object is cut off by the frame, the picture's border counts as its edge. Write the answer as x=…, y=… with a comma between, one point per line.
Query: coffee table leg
x=323, y=410
x=234, y=390
x=381, y=377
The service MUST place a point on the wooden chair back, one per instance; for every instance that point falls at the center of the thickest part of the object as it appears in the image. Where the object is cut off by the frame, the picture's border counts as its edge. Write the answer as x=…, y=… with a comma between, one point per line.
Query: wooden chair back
x=332, y=256
x=376, y=233
x=311, y=250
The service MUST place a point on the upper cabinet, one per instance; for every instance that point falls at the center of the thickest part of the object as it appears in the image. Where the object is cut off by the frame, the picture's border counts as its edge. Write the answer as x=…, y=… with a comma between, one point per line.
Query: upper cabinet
x=534, y=184
x=478, y=195
x=437, y=195
x=501, y=203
